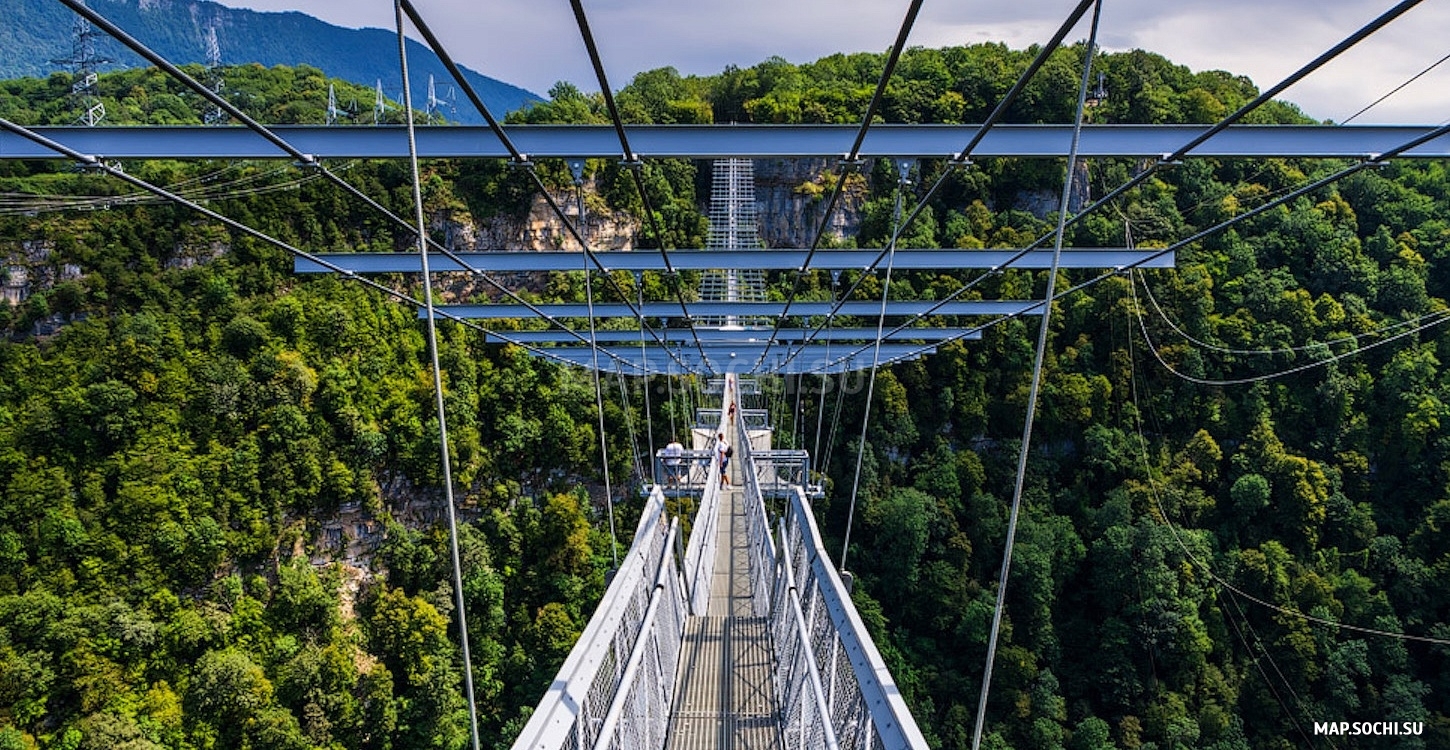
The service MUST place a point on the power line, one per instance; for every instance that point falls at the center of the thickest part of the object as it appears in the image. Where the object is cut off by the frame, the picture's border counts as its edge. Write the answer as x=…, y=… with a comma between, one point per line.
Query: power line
x=1438, y=319
x=1314, y=347
x=1208, y=570
x=1396, y=89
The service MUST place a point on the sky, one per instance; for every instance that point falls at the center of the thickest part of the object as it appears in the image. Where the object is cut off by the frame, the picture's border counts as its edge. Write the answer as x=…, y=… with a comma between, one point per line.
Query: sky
x=533, y=44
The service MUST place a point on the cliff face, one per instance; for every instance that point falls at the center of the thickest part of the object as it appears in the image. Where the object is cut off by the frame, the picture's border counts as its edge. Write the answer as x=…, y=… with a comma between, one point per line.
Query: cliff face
x=790, y=195
x=540, y=229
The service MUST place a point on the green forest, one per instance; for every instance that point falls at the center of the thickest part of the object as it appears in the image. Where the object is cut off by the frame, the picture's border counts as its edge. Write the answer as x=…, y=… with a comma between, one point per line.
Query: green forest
x=1261, y=435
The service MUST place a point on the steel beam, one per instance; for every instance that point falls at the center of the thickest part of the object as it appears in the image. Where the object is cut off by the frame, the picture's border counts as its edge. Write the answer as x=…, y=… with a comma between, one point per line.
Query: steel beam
x=726, y=141
x=730, y=336
x=812, y=359
x=503, y=261
x=696, y=310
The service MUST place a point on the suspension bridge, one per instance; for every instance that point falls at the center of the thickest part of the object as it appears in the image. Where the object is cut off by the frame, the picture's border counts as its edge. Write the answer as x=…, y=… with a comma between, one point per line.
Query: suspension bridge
x=742, y=637
x=731, y=627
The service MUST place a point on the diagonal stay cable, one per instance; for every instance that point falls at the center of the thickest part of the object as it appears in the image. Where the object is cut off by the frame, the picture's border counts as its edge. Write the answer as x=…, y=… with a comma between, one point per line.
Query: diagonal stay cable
x=963, y=158
x=519, y=159
x=1372, y=162
x=1182, y=151
x=437, y=371
x=1043, y=330
x=631, y=161
x=95, y=162
x=1176, y=155
x=902, y=180
x=1167, y=158
x=849, y=163
x=303, y=159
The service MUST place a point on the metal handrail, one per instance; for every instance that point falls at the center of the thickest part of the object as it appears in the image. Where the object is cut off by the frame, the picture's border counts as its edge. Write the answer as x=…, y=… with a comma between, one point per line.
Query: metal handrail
x=891, y=720
x=700, y=553
x=608, y=731
x=590, y=676
x=807, y=655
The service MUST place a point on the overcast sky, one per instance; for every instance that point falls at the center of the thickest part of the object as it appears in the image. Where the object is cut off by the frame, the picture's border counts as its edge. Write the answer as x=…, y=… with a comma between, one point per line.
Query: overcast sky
x=533, y=43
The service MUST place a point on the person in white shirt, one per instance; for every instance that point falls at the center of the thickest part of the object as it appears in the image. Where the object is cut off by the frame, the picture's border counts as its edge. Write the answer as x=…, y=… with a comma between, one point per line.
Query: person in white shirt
x=723, y=451
x=673, y=462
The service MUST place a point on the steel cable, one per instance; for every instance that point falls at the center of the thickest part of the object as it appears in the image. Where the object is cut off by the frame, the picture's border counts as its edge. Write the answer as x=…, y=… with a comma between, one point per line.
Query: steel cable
x=437, y=372
x=1044, y=326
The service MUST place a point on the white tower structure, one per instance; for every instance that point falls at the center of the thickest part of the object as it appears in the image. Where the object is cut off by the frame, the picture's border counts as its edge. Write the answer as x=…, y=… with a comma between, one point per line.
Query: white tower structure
x=733, y=228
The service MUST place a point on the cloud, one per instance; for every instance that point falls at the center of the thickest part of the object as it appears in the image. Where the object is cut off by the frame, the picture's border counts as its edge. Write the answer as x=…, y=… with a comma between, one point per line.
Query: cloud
x=534, y=44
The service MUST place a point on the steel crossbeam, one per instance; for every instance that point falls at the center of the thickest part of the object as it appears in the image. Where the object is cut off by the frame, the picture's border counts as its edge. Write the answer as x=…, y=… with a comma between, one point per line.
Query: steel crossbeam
x=503, y=261
x=732, y=336
x=726, y=141
x=812, y=359
x=894, y=309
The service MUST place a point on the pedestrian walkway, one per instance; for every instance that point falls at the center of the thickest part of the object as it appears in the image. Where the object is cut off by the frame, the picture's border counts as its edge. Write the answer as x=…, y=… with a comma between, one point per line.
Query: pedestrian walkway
x=726, y=694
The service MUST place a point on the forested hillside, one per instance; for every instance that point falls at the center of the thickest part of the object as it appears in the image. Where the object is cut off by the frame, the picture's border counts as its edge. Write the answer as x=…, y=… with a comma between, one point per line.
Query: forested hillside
x=178, y=415
x=172, y=447
x=39, y=32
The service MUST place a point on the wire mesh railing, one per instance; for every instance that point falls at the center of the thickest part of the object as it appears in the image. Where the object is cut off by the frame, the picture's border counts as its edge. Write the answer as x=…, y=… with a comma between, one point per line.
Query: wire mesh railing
x=634, y=618
x=864, y=706
x=638, y=717
x=832, y=686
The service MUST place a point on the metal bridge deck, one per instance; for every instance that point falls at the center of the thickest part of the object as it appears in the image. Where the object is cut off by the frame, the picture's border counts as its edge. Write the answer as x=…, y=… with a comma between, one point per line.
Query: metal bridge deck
x=726, y=695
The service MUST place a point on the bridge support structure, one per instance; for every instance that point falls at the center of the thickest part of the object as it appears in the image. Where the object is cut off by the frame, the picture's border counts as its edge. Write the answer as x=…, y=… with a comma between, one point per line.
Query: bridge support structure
x=750, y=636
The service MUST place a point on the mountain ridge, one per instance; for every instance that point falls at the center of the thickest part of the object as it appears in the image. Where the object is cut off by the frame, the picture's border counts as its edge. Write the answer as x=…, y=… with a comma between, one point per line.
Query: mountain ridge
x=43, y=32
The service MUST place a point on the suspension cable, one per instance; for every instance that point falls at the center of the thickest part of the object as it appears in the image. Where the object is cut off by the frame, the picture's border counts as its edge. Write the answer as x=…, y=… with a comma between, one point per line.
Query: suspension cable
x=599, y=407
x=962, y=159
x=627, y=407
x=1042, y=337
x=632, y=162
x=848, y=164
x=836, y=419
x=432, y=332
x=670, y=387
x=1166, y=160
x=798, y=428
x=825, y=376
x=648, y=410
x=598, y=390
x=903, y=179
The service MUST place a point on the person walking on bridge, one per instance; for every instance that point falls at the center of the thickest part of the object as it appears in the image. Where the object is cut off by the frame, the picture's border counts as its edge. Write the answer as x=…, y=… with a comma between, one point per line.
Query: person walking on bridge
x=674, y=458
x=723, y=451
